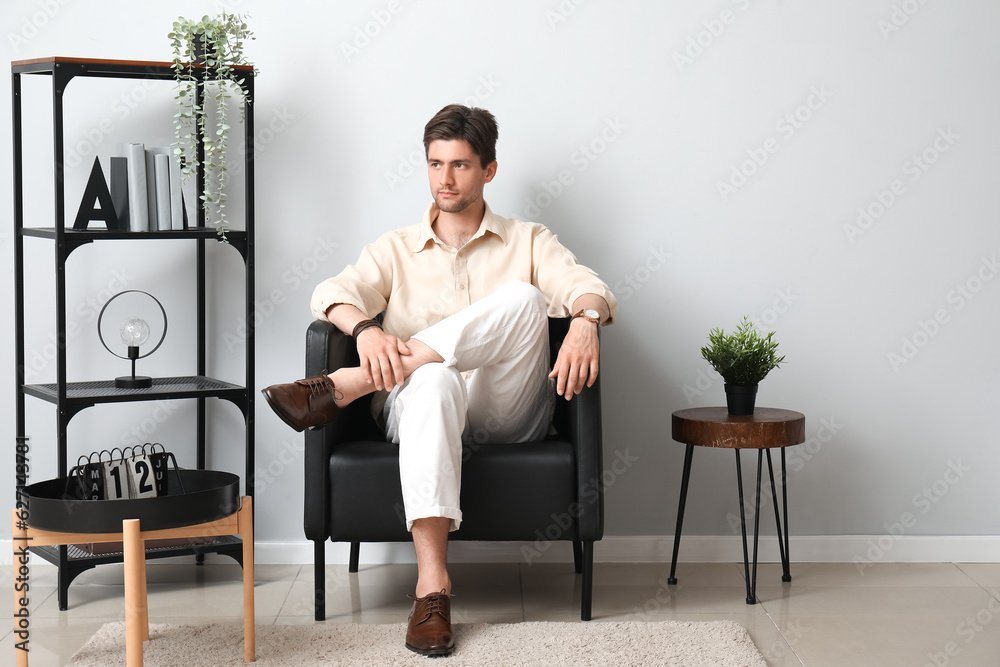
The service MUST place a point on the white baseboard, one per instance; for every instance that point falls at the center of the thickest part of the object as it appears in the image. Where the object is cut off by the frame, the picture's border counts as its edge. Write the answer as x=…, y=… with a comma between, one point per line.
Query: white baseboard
x=642, y=549
x=695, y=548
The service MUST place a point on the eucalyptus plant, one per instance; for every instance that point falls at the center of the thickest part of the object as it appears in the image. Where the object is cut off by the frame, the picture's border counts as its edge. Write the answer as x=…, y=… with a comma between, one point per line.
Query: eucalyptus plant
x=216, y=44
x=743, y=357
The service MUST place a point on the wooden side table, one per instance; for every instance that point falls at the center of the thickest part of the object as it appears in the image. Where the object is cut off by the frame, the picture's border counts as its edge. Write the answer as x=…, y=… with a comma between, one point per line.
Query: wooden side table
x=136, y=614
x=764, y=430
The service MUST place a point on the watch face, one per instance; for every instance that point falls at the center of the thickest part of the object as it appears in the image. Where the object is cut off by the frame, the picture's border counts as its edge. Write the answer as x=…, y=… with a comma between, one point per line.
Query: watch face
x=591, y=314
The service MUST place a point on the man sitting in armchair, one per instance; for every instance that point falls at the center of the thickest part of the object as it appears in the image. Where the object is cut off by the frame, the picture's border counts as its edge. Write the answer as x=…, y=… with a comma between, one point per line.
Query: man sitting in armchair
x=466, y=296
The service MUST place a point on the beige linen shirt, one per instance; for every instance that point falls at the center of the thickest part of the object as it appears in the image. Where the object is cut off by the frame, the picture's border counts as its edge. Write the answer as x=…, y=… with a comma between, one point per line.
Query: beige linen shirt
x=418, y=280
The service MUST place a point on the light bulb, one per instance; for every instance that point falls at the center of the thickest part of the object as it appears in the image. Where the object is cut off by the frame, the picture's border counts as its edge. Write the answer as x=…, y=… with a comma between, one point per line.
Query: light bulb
x=135, y=332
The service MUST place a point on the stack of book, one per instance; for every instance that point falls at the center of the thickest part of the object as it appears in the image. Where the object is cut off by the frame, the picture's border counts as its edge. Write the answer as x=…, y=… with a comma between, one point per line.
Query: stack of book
x=146, y=189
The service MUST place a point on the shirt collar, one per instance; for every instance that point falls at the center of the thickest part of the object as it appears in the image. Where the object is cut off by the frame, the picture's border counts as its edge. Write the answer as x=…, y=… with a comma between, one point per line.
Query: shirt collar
x=492, y=223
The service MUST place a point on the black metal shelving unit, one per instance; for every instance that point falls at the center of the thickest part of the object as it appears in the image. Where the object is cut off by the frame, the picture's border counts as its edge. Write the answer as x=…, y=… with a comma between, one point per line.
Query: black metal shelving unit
x=70, y=398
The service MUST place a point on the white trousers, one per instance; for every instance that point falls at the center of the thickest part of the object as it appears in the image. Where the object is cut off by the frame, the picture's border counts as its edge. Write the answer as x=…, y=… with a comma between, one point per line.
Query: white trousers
x=503, y=340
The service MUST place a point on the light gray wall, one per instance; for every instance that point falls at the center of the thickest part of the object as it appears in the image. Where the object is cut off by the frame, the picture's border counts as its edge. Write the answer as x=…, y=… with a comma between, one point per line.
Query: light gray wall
x=808, y=111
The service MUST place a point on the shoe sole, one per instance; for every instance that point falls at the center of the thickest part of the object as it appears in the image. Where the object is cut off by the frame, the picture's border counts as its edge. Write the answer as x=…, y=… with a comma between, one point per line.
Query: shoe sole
x=433, y=652
x=277, y=411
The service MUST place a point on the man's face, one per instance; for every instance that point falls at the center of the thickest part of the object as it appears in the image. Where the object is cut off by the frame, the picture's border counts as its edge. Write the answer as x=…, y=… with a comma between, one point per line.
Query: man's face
x=455, y=175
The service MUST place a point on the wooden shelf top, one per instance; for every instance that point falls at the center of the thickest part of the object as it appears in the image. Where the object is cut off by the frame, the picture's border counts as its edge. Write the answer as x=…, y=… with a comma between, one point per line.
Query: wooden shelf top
x=52, y=60
x=103, y=64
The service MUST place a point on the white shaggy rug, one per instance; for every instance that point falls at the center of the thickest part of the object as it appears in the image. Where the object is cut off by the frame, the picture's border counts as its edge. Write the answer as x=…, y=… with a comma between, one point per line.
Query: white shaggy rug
x=708, y=644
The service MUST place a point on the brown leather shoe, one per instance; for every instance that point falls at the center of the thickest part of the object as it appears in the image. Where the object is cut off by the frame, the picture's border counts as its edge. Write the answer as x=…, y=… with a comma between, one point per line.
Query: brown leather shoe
x=428, y=630
x=304, y=403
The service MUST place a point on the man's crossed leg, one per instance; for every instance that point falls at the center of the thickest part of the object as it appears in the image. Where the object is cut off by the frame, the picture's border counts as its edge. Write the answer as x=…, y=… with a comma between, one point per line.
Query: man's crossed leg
x=502, y=341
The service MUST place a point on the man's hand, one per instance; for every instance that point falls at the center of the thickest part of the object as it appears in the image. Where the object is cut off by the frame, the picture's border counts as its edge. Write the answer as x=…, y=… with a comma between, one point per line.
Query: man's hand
x=380, y=357
x=576, y=366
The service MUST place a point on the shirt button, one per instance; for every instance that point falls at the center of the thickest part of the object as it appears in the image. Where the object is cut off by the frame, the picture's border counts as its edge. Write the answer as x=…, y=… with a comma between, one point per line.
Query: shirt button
x=461, y=287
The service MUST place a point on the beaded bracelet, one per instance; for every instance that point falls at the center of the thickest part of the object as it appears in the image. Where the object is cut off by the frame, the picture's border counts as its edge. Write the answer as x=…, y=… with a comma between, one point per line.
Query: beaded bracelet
x=362, y=325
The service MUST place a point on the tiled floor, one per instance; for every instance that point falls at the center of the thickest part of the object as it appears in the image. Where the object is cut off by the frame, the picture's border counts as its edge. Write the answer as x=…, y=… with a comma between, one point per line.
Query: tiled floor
x=831, y=614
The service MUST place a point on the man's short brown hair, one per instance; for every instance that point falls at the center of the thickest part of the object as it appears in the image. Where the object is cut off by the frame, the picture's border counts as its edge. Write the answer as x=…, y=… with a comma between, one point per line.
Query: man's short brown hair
x=475, y=126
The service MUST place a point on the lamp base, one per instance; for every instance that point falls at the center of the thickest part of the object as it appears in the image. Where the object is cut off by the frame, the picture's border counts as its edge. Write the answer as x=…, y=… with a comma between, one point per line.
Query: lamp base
x=133, y=382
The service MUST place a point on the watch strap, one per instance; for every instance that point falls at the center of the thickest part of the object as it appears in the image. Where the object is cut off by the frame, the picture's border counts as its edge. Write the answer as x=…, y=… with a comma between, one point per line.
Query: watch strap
x=582, y=313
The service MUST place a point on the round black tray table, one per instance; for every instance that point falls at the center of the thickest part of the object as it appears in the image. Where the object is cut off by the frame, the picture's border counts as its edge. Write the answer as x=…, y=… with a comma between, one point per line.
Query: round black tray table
x=60, y=504
x=201, y=503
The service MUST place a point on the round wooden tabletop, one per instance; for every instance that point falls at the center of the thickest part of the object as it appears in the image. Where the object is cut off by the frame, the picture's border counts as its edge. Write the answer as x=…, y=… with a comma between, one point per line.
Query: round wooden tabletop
x=715, y=427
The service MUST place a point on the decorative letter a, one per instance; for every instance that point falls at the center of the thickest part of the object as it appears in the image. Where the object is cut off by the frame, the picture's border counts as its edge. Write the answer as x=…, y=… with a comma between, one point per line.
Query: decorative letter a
x=96, y=193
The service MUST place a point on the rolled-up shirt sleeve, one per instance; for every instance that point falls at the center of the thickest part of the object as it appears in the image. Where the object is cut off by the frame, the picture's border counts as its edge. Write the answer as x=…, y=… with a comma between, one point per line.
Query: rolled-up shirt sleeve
x=365, y=284
x=562, y=279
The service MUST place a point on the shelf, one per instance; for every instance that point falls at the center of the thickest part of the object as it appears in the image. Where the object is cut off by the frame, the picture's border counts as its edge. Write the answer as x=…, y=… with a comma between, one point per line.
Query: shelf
x=222, y=544
x=70, y=398
x=104, y=391
x=73, y=239
x=86, y=236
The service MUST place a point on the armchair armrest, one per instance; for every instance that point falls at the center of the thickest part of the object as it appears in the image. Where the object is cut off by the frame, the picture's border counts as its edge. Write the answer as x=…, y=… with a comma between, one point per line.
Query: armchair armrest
x=327, y=349
x=584, y=432
x=580, y=424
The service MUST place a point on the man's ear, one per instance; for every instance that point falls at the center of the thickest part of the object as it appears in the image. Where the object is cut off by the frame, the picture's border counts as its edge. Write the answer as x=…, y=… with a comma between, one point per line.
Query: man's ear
x=491, y=171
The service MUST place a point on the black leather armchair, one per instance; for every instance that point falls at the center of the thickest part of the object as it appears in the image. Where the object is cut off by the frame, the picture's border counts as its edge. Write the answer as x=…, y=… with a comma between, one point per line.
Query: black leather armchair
x=540, y=491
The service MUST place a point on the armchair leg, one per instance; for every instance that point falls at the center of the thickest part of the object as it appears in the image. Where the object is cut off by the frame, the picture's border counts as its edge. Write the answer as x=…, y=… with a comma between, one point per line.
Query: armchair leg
x=586, y=598
x=352, y=565
x=319, y=579
x=578, y=556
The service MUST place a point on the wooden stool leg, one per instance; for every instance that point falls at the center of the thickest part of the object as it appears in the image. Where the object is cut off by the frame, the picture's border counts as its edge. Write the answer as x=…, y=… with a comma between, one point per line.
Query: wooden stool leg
x=246, y=532
x=144, y=608
x=19, y=531
x=135, y=613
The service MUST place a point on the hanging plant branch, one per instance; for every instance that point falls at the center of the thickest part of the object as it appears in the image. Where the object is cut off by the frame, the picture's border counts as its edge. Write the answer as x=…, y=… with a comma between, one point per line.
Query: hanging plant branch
x=207, y=52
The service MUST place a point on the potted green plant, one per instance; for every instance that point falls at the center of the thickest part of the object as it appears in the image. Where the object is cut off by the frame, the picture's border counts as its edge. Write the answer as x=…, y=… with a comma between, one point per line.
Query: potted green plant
x=216, y=45
x=743, y=358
